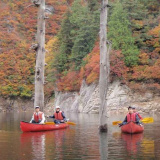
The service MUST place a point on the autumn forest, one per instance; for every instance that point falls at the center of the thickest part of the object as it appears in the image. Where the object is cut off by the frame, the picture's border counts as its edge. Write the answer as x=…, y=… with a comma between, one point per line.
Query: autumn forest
x=72, y=45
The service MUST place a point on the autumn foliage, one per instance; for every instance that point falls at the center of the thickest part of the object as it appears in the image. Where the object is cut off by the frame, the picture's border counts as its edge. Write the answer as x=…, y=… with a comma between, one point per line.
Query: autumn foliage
x=18, y=32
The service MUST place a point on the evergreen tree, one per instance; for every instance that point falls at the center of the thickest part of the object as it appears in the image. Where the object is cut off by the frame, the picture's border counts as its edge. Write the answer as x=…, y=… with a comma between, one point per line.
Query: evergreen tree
x=137, y=13
x=121, y=35
x=85, y=31
x=66, y=44
x=93, y=5
x=141, y=13
x=77, y=36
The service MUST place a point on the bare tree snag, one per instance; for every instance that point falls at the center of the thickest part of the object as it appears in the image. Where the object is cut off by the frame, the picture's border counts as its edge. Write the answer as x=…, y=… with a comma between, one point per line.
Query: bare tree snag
x=104, y=67
x=34, y=47
x=40, y=58
x=36, y=2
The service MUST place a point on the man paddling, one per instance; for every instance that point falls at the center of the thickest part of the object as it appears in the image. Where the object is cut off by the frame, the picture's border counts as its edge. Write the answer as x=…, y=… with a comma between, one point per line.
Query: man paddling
x=134, y=110
x=38, y=116
x=131, y=116
x=58, y=116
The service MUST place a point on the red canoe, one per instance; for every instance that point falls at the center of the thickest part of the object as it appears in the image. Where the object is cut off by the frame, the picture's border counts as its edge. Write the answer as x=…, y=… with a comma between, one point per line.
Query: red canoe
x=32, y=127
x=131, y=128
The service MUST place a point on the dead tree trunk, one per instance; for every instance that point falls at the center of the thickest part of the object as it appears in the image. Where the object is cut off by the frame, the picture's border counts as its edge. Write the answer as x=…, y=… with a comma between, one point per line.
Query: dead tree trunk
x=40, y=57
x=104, y=67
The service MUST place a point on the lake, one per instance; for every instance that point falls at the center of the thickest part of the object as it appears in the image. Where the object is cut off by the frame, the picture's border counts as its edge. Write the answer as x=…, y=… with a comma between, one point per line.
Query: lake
x=80, y=142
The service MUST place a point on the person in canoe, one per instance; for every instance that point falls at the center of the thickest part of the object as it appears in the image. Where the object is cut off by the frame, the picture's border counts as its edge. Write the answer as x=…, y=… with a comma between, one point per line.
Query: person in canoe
x=134, y=110
x=131, y=116
x=59, y=116
x=38, y=116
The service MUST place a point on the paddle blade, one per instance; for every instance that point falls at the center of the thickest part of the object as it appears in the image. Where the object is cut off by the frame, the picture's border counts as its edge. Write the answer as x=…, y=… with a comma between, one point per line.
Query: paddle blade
x=148, y=120
x=116, y=122
x=50, y=123
x=71, y=123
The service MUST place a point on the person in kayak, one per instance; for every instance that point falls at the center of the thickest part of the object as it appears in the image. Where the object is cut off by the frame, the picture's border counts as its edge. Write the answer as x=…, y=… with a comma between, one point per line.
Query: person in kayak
x=38, y=116
x=131, y=116
x=59, y=116
x=134, y=110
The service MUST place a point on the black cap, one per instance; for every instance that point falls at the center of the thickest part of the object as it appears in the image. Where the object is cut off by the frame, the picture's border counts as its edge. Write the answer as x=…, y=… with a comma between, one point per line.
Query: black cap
x=129, y=107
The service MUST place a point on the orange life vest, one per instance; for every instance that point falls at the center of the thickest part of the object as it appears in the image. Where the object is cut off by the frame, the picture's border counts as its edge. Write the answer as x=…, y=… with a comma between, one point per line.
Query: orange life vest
x=38, y=117
x=58, y=115
x=131, y=117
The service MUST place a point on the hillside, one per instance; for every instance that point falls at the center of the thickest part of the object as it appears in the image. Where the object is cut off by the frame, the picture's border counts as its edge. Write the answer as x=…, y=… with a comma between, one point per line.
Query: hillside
x=17, y=32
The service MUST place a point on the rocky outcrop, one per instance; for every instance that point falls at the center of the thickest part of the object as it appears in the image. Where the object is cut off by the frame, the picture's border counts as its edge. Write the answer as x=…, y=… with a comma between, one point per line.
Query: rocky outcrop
x=119, y=98
x=11, y=104
x=87, y=100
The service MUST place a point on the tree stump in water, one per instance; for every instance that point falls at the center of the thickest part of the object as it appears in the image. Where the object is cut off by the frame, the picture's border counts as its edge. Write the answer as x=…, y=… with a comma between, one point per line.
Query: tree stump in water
x=103, y=128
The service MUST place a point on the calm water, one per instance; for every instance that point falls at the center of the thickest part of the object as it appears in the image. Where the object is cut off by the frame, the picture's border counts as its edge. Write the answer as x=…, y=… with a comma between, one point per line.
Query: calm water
x=80, y=142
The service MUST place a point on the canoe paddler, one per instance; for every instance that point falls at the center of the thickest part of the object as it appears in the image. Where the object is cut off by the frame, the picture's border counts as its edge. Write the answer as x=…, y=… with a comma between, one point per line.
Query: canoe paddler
x=38, y=116
x=59, y=116
x=135, y=111
x=131, y=116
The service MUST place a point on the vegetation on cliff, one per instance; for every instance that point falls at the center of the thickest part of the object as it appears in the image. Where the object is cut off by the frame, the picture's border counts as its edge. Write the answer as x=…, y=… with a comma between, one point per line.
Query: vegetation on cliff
x=73, y=45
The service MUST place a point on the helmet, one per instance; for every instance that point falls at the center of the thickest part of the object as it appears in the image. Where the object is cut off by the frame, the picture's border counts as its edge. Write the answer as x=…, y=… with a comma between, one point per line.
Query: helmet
x=36, y=107
x=57, y=107
x=133, y=107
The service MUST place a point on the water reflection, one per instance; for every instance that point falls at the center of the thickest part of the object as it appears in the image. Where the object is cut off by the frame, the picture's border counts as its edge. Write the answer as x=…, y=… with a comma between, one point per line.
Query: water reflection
x=33, y=142
x=132, y=146
x=103, y=145
x=132, y=142
x=148, y=147
x=45, y=145
x=82, y=141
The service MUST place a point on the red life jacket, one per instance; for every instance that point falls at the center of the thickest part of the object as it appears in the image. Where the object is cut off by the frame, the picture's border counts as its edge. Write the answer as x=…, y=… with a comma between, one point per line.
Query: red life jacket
x=58, y=115
x=131, y=117
x=38, y=117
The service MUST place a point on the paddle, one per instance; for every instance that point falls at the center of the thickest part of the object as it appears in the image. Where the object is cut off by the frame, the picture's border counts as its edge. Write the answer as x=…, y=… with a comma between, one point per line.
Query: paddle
x=144, y=120
x=116, y=122
x=147, y=120
x=70, y=123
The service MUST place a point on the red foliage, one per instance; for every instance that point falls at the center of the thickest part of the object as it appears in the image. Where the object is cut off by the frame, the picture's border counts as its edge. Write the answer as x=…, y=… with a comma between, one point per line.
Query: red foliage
x=69, y=82
x=17, y=31
x=117, y=65
x=91, y=69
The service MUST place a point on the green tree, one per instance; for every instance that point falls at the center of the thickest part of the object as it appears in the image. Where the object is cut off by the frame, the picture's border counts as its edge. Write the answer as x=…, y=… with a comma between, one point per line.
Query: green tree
x=78, y=34
x=121, y=35
x=140, y=14
x=66, y=43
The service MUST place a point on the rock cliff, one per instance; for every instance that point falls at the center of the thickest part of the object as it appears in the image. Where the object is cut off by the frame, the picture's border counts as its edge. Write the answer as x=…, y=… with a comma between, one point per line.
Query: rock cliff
x=87, y=100
x=119, y=98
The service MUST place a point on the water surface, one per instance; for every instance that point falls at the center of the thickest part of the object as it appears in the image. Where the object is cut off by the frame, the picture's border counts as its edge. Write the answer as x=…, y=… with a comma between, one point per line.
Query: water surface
x=79, y=142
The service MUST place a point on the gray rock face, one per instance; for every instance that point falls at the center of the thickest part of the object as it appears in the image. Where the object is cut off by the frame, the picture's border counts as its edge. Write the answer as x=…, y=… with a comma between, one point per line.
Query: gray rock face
x=119, y=98
x=87, y=100
x=15, y=104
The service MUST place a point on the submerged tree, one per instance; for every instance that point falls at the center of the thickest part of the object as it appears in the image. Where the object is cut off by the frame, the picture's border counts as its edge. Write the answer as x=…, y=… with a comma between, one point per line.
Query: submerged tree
x=104, y=66
x=40, y=57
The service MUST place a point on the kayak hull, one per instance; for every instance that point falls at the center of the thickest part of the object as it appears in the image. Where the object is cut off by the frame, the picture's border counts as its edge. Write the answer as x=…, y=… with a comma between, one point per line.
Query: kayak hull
x=132, y=128
x=32, y=127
